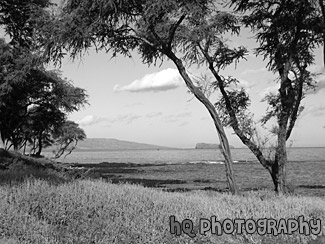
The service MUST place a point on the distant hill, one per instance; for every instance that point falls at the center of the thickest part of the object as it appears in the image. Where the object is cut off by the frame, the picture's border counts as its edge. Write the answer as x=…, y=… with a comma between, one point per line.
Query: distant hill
x=208, y=146
x=113, y=144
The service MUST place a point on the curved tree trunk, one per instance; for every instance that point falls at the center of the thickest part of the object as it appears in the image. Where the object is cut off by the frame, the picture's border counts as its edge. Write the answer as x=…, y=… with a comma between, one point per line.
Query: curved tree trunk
x=278, y=174
x=278, y=168
x=225, y=148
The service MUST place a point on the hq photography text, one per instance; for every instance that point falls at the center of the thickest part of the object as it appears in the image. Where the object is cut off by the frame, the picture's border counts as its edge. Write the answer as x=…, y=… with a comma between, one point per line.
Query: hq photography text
x=250, y=226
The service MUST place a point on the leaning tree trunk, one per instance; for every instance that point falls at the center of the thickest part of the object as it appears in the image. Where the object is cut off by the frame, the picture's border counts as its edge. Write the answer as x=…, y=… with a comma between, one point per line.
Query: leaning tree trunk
x=278, y=174
x=225, y=148
x=278, y=168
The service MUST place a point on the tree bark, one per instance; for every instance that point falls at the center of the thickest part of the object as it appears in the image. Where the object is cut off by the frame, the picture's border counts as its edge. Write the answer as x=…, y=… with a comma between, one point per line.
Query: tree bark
x=278, y=168
x=225, y=148
x=278, y=174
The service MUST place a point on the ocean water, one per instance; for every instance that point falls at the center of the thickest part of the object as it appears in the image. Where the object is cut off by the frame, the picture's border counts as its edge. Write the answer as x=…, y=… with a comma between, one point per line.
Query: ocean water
x=184, y=156
x=191, y=169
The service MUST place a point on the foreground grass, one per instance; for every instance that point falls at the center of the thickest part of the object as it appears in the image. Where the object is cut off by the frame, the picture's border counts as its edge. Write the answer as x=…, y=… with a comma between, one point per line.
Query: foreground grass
x=88, y=211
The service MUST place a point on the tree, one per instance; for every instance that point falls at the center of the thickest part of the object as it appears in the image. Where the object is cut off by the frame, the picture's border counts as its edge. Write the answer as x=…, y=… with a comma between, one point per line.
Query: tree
x=287, y=32
x=42, y=122
x=34, y=102
x=19, y=17
x=67, y=137
x=155, y=29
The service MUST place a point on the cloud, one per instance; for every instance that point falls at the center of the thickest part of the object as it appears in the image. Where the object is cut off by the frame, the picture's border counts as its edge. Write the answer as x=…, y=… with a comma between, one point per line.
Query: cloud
x=183, y=124
x=132, y=105
x=154, y=114
x=126, y=118
x=245, y=84
x=164, y=80
x=176, y=117
x=90, y=120
x=123, y=118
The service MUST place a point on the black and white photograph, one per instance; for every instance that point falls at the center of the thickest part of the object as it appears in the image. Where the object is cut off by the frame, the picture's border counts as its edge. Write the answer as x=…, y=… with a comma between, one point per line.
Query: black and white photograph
x=162, y=121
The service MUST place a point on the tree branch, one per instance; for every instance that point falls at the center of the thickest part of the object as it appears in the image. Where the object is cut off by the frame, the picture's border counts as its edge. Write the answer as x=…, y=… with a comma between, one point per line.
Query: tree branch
x=173, y=30
x=295, y=110
x=234, y=122
x=164, y=48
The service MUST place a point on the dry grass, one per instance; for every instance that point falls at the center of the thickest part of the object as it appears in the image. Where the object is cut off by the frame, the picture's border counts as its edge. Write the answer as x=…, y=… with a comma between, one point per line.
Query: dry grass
x=85, y=211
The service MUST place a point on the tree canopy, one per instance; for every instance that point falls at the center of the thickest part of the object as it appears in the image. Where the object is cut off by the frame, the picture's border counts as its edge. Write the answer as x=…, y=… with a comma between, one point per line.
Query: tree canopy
x=34, y=102
x=19, y=19
x=67, y=137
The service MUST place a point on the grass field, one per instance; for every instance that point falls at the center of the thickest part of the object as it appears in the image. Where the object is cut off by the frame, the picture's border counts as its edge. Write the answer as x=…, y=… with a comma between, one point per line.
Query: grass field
x=40, y=204
x=93, y=211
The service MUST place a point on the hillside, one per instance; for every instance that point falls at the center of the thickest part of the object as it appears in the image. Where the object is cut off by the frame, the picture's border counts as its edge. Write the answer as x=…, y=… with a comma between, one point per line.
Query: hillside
x=114, y=144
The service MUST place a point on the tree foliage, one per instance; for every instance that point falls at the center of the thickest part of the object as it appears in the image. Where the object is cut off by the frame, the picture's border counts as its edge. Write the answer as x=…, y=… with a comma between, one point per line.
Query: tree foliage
x=67, y=137
x=288, y=32
x=19, y=19
x=34, y=102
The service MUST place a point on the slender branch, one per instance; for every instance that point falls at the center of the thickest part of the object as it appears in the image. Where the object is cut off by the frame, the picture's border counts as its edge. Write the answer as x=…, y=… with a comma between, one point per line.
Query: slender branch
x=295, y=103
x=173, y=30
x=75, y=145
x=141, y=38
x=234, y=122
x=164, y=48
x=294, y=114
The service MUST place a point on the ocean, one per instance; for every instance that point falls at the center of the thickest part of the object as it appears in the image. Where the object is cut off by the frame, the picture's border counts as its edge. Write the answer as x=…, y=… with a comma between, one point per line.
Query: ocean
x=200, y=169
x=183, y=156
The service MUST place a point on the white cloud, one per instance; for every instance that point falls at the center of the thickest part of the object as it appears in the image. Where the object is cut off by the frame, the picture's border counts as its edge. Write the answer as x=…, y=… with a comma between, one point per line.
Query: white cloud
x=164, y=80
x=183, y=124
x=246, y=84
x=125, y=118
x=177, y=117
x=154, y=114
x=122, y=118
x=133, y=105
x=90, y=120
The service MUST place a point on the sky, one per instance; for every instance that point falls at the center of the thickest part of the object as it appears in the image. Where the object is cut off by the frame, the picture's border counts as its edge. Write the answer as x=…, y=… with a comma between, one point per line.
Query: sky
x=130, y=101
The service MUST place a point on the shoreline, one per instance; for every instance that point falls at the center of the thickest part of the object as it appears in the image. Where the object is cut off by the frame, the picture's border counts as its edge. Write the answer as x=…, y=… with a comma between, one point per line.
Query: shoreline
x=161, y=176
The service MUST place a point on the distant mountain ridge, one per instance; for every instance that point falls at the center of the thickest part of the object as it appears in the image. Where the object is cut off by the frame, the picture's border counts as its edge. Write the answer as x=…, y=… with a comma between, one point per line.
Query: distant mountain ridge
x=114, y=144
x=208, y=146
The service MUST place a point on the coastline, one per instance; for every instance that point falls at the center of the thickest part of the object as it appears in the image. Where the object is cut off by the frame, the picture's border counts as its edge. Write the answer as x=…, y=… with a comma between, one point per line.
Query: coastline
x=183, y=178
